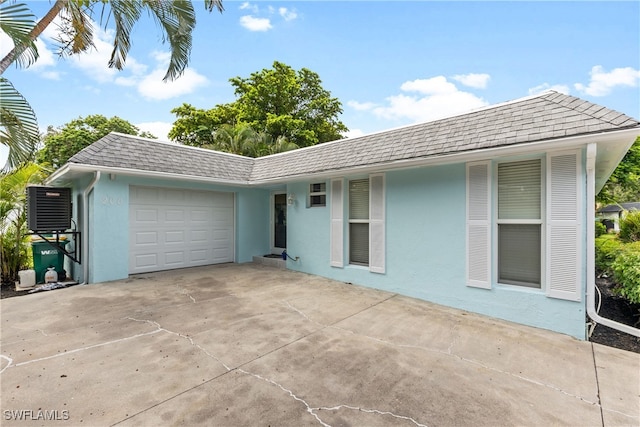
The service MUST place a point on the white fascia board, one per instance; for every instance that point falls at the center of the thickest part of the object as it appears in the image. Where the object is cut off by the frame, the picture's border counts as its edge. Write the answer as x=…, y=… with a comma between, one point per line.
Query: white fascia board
x=625, y=137
x=82, y=168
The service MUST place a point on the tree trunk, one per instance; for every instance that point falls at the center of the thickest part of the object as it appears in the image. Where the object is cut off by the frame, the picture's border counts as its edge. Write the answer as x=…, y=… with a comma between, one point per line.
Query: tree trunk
x=34, y=34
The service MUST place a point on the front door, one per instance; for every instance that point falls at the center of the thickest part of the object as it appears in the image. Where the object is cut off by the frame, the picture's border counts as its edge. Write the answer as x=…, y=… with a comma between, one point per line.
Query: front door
x=279, y=231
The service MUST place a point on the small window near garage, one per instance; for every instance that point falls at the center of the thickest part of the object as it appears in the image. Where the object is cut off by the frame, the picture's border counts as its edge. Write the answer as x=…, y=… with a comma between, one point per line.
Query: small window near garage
x=317, y=194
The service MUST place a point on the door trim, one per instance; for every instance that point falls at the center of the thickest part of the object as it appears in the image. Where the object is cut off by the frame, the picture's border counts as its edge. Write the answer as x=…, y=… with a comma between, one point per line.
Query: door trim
x=272, y=223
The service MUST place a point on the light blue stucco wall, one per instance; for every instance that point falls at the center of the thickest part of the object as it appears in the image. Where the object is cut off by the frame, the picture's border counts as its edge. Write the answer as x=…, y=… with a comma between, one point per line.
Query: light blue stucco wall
x=425, y=251
x=107, y=253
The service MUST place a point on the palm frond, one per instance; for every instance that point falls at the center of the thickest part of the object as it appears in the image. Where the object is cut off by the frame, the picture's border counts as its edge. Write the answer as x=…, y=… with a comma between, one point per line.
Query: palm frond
x=77, y=29
x=17, y=22
x=18, y=124
x=178, y=19
x=125, y=15
x=211, y=4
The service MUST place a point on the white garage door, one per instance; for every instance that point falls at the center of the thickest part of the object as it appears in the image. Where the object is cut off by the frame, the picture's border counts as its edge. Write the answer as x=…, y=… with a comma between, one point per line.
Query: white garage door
x=175, y=228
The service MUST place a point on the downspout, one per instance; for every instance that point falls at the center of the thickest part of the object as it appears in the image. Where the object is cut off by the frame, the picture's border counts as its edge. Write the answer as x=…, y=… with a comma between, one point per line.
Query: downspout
x=591, y=252
x=85, y=227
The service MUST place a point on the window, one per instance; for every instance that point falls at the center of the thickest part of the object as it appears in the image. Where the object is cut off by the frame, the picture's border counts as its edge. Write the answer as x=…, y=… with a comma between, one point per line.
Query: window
x=526, y=230
x=359, y=222
x=519, y=222
x=317, y=194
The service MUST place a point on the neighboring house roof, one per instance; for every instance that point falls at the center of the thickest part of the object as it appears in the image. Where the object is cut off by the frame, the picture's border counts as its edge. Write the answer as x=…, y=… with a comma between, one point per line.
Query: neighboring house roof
x=542, y=118
x=620, y=207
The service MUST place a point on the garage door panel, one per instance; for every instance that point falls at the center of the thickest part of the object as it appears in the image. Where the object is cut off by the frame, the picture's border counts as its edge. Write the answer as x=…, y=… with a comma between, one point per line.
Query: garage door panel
x=146, y=215
x=175, y=216
x=173, y=258
x=146, y=238
x=179, y=228
x=146, y=261
x=199, y=236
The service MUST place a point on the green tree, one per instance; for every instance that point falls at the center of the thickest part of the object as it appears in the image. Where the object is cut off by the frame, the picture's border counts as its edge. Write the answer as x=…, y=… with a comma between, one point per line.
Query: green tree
x=279, y=102
x=62, y=143
x=13, y=229
x=176, y=18
x=624, y=183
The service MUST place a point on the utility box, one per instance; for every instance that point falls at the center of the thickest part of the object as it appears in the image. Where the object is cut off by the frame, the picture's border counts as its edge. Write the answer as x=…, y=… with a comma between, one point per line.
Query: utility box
x=48, y=208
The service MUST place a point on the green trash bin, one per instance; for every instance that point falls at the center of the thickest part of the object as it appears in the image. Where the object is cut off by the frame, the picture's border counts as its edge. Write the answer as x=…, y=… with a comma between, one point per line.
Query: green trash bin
x=45, y=256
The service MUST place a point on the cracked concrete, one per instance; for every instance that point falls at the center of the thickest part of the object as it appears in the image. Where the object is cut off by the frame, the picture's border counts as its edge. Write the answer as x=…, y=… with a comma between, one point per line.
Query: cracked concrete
x=249, y=344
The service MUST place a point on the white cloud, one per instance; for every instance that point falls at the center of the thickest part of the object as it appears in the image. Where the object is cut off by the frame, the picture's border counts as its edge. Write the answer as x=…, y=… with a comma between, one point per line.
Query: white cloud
x=361, y=106
x=433, y=86
x=602, y=82
x=436, y=98
x=152, y=86
x=252, y=23
x=546, y=86
x=478, y=81
x=353, y=133
x=159, y=129
x=248, y=6
x=287, y=14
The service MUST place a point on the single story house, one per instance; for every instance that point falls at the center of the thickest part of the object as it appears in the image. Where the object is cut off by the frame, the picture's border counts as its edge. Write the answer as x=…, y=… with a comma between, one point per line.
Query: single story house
x=489, y=211
x=611, y=215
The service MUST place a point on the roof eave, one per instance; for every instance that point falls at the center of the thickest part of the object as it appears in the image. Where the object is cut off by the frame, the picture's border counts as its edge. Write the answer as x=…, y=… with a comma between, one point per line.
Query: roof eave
x=67, y=172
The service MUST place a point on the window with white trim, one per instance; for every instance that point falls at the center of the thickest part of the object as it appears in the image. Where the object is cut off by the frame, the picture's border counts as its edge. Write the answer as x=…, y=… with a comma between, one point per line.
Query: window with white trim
x=359, y=222
x=317, y=194
x=519, y=223
x=525, y=228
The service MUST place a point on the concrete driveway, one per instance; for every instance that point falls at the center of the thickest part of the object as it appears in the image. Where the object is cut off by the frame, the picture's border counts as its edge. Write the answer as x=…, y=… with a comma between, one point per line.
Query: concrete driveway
x=235, y=345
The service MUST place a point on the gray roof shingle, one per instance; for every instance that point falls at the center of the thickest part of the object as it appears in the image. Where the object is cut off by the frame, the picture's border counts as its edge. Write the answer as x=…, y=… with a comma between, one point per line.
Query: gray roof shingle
x=130, y=152
x=547, y=116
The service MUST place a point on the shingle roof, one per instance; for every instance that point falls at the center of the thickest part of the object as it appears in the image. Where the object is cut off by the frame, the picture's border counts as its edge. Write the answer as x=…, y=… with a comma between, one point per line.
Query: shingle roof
x=544, y=117
x=129, y=152
x=620, y=207
x=548, y=116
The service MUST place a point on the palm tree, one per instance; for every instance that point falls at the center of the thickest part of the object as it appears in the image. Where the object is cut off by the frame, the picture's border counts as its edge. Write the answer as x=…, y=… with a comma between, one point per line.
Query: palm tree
x=237, y=139
x=280, y=145
x=13, y=217
x=177, y=19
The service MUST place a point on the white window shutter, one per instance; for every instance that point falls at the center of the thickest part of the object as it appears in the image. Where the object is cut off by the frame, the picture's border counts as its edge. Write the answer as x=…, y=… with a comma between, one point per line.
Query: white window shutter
x=478, y=262
x=564, y=243
x=376, y=223
x=337, y=228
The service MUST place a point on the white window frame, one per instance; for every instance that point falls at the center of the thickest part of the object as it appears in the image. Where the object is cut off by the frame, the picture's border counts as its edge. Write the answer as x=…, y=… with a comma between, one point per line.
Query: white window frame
x=495, y=222
x=312, y=194
x=356, y=221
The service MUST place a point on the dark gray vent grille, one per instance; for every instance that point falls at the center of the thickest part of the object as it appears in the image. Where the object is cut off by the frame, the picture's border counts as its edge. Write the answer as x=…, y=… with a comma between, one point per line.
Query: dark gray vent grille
x=48, y=208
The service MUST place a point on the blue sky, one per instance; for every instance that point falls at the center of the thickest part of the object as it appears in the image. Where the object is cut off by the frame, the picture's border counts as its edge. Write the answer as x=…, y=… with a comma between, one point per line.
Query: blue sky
x=390, y=63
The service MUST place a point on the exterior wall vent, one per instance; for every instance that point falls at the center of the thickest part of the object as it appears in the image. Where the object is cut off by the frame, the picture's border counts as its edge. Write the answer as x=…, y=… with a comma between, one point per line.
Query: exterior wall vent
x=48, y=208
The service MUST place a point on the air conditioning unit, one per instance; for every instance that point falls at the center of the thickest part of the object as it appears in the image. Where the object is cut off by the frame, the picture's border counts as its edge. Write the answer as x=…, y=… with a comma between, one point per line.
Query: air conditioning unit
x=48, y=208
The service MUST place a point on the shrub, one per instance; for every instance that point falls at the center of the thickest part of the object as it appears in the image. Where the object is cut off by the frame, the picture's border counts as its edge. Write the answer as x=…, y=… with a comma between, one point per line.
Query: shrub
x=600, y=229
x=630, y=227
x=607, y=248
x=626, y=270
x=16, y=254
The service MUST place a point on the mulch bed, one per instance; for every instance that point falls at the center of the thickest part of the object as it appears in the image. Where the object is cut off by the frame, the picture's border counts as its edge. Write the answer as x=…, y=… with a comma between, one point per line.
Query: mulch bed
x=612, y=307
x=615, y=308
